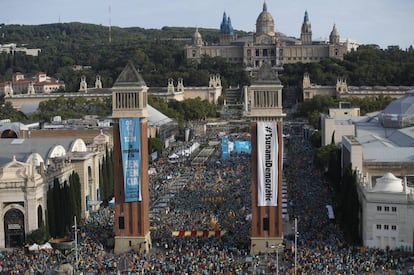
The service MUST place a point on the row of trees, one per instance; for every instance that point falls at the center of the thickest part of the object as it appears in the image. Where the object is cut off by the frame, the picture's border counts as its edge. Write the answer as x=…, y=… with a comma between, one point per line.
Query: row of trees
x=63, y=203
x=159, y=55
x=367, y=65
x=78, y=107
x=106, y=176
x=344, y=186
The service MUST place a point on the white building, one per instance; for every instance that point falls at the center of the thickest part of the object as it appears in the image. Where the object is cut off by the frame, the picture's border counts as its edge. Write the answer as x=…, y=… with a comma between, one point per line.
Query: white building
x=379, y=146
x=29, y=167
x=387, y=213
x=12, y=49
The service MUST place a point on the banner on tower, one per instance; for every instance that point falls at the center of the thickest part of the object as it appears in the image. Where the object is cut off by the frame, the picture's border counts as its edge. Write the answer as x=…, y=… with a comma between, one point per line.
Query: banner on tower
x=267, y=163
x=131, y=157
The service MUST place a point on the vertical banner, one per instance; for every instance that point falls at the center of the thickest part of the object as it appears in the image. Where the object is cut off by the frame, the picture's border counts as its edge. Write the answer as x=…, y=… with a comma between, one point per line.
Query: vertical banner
x=131, y=157
x=224, y=147
x=267, y=163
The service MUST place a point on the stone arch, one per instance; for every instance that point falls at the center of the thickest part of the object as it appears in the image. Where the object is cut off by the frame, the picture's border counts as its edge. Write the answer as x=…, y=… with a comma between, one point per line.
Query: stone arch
x=57, y=151
x=14, y=226
x=9, y=133
x=78, y=145
x=35, y=159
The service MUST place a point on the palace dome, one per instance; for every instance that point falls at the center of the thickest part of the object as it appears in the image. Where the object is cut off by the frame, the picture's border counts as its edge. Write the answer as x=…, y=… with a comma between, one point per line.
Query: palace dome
x=265, y=23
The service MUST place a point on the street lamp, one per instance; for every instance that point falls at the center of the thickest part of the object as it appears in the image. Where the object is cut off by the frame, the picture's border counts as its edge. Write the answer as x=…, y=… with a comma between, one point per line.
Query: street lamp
x=277, y=247
x=296, y=243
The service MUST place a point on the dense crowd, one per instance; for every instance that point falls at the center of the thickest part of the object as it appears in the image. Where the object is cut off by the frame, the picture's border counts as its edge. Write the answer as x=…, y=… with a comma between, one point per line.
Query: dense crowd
x=217, y=197
x=321, y=243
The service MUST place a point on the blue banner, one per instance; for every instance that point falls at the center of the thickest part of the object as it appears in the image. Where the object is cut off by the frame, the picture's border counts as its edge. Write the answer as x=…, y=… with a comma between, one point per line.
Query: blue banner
x=131, y=157
x=224, y=147
x=242, y=146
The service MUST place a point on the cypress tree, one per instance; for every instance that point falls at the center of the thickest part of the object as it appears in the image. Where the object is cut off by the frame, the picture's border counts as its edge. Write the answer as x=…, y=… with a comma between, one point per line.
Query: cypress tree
x=51, y=216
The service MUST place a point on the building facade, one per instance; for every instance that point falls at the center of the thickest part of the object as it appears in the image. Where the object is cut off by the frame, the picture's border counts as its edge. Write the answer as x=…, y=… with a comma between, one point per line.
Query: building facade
x=28, y=169
x=387, y=211
x=378, y=147
x=266, y=45
x=177, y=91
x=38, y=84
x=343, y=90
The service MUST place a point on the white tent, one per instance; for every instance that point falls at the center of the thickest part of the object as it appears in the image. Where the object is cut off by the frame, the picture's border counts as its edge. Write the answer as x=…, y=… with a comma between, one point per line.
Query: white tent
x=34, y=247
x=173, y=156
x=46, y=246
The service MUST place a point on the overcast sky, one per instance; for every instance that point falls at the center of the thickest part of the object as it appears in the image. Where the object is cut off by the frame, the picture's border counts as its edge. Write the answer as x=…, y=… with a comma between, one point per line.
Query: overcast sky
x=382, y=22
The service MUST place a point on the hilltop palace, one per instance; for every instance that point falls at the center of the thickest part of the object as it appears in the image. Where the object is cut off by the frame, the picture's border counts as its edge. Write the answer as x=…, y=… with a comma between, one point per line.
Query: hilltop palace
x=267, y=45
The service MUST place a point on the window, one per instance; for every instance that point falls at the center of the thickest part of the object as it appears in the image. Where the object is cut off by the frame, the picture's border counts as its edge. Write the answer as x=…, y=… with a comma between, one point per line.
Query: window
x=394, y=209
x=385, y=226
x=378, y=226
x=257, y=52
x=379, y=208
x=264, y=52
x=393, y=227
x=386, y=208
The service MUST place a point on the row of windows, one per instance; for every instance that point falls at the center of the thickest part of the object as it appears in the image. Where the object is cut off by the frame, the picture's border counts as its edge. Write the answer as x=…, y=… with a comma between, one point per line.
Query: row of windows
x=264, y=52
x=386, y=208
x=304, y=58
x=386, y=227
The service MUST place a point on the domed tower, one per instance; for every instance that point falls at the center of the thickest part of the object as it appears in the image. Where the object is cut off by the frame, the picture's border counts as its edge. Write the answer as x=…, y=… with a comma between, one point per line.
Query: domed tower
x=265, y=23
x=306, y=31
x=334, y=36
x=197, y=39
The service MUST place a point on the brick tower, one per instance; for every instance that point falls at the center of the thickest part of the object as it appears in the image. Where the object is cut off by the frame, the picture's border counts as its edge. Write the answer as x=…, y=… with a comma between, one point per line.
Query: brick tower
x=130, y=127
x=263, y=105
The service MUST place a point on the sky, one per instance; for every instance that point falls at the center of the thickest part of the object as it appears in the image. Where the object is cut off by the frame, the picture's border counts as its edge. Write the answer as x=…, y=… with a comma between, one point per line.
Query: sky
x=381, y=22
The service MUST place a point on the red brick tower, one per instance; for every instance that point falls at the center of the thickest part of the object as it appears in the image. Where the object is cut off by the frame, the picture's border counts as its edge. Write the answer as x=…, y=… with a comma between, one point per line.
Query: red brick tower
x=130, y=126
x=264, y=107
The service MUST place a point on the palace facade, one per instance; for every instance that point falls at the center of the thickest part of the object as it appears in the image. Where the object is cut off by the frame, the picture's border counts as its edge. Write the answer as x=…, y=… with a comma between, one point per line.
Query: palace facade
x=267, y=45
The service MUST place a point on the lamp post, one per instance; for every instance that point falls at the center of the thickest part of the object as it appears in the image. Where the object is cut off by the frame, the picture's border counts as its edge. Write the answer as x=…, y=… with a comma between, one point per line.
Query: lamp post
x=296, y=241
x=277, y=247
x=76, y=244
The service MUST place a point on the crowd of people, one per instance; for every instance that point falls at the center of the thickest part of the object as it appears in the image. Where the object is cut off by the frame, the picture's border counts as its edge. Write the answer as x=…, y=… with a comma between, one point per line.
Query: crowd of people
x=217, y=197
x=321, y=245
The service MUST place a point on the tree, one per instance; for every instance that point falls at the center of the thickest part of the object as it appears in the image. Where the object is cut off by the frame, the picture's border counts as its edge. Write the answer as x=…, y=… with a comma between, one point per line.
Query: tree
x=349, y=206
